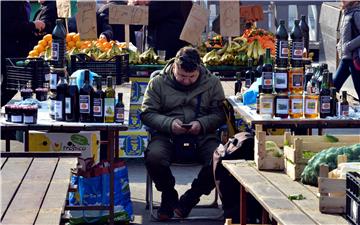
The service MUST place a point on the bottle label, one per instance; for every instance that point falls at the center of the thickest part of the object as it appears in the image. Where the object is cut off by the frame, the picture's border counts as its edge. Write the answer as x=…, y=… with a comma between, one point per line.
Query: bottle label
x=325, y=104
x=311, y=106
x=28, y=119
x=109, y=105
x=52, y=107
x=58, y=110
x=284, y=49
x=344, y=110
x=282, y=106
x=97, y=108
x=266, y=106
x=297, y=80
x=55, y=51
x=248, y=82
x=68, y=105
x=84, y=101
x=297, y=50
x=280, y=80
x=119, y=114
x=53, y=80
x=267, y=80
x=16, y=118
x=296, y=106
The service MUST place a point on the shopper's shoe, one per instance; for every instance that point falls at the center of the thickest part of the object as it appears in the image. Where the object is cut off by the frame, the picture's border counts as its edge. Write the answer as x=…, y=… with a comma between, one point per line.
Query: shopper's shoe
x=186, y=203
x=169, y=200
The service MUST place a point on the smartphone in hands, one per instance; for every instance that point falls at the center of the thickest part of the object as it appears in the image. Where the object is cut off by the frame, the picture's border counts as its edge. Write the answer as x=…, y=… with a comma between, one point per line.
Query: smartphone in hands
x=186, y=126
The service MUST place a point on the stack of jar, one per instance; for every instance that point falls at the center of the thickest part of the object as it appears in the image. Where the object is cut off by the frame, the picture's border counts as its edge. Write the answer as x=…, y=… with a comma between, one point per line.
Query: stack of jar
x=21, y=113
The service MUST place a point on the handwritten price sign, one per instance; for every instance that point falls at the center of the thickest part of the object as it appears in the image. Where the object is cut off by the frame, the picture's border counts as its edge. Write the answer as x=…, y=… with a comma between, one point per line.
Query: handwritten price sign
x=63, y=8
x=194, y=25
x=86, y=20
x=127, y=14
x=229, y=18
x=251, y=13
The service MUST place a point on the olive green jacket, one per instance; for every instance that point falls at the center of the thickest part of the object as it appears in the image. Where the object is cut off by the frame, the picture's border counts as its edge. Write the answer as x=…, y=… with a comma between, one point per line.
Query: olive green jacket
x=166, y=100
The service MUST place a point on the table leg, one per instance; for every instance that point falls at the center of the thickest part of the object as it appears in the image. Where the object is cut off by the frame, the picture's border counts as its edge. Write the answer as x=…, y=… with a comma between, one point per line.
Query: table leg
x=26, y=140
x=7, y=145
x=264, y=217
x=111, y=160
x=242, y=205
x=116, y=137
x=320, y=131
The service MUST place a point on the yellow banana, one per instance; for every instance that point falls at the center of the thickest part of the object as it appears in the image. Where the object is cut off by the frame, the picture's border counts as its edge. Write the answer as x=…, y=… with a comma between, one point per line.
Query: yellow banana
x=255, y=49
x=250, y=50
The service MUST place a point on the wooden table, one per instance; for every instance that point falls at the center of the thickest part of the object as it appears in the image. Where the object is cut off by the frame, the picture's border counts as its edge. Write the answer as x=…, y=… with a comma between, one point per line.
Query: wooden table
x=271, y=190
x=34, y=186
x=250, y=116
x=45, y=123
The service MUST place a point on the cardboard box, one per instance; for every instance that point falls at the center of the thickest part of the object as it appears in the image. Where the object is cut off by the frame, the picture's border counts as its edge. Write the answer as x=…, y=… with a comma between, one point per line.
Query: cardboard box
x=135, y=123
x=132, y=144
x=138, y=87
x=86, y=142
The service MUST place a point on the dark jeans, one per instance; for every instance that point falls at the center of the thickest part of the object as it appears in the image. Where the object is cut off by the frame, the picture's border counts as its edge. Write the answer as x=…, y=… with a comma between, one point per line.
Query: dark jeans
x=345, y=69
x=160, y=154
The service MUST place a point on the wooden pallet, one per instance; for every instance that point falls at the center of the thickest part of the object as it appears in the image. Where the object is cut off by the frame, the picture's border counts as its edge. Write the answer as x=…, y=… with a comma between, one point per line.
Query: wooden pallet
x=263, y=160
x=332, y=191
x=293, y=153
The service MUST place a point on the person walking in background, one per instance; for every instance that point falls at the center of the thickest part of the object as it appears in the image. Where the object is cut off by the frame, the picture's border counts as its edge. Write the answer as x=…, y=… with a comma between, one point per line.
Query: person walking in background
x=17, y=39
x=348, y=44
x=182, y=104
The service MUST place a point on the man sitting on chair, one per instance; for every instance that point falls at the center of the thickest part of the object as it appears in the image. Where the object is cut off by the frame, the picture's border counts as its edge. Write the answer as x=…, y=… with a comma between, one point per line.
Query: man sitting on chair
x=183, y=108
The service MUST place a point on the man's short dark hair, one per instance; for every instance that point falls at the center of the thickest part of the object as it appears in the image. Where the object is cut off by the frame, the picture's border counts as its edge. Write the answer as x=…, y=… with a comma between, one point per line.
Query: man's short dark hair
x=188, y=59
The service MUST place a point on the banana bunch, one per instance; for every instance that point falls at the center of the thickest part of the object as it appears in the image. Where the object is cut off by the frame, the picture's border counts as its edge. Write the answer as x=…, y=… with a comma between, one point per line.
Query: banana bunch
x=227, y=59
x=236, y=47
x=134, y=57
x=211, y=58
x=149, y=57
x=241, y=59
x=254, y=50
x=113, y=51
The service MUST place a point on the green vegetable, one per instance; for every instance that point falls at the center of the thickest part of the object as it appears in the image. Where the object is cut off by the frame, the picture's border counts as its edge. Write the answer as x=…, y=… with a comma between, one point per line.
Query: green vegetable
x=328, y=157
x=271, y=147
x=331, y=138
x=308, y=154
x=296, y=197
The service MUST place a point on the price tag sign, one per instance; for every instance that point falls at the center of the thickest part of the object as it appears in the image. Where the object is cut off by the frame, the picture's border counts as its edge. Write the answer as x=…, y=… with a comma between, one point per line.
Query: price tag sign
x=194, y=25
x=251, y=13
x=86, y=20
x=229, y=18
x=129, y=14
x=63, y=8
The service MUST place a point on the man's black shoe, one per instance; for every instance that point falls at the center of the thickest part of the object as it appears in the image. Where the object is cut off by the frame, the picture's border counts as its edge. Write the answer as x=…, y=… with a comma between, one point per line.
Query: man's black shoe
x=169, y=201
x=186, y=203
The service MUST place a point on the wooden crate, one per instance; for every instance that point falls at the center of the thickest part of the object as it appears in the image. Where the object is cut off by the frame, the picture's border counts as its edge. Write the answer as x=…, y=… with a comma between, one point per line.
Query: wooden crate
x=293, y=153
x=229, y=222
x=332, y=191
x=263, y=160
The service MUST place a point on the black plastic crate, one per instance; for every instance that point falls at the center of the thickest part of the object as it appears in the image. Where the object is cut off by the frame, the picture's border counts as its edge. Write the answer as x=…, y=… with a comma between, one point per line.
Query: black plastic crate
x=117, y=66
x=21, y=70
x=353, y=197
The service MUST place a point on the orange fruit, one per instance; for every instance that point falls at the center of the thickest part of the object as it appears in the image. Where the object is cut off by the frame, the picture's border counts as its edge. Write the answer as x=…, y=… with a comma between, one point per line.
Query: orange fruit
x=39, y=48
x=78, y=44
x=34, y=53
x=47, y=37
x=76, y=37
x=68, y=38
x=70, y=44
x=43, y=43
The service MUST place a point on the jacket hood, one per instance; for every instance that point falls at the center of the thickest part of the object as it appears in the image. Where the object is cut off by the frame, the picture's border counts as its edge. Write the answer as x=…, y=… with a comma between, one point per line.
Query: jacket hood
x=168, y=75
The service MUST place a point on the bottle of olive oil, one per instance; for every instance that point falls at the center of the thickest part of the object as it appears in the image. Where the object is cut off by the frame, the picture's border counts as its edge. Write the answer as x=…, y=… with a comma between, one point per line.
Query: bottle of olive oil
x=109, y=102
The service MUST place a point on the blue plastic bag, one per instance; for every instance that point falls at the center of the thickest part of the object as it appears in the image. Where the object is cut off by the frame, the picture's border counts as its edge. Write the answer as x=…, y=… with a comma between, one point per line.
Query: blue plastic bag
x=79, y=74
x=249, y=96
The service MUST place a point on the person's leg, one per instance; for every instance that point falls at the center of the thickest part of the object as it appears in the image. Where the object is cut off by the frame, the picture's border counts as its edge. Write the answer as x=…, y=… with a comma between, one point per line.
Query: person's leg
x=355, y=75
x=342, y=73
x=158, y=157
x=204, y=183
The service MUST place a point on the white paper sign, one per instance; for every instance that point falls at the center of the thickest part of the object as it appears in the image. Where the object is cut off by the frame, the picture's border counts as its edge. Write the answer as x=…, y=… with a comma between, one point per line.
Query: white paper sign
x=86, y=20
x=63, y=8
x=230, y=18
x=194, y=25
x=128, y=14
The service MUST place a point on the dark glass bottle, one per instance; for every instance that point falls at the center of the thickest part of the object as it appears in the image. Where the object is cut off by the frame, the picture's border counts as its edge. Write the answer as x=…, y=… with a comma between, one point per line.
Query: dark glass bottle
x=238, y=83
x=344, y=105
x=281, y=77
x=109, y=102
x=325, y=99
x=119, y=109
x=249, y=74
x=42, y=92
x=72, y=102
x=86, y=99
x=282, y=46
x=55, y=73
x=98, y=107
x=297, y=45
x=334, y=102
x=282, y=105
x=61, y=90
x=258, y=99
x=27, y=92
x=305, y=32
x=58, y=46
x=267, y=74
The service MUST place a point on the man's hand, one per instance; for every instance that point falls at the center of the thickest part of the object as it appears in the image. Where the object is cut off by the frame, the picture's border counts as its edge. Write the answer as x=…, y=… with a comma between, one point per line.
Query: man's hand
x=195, y=128
x=39, y=25
x=176, y=127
